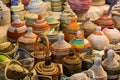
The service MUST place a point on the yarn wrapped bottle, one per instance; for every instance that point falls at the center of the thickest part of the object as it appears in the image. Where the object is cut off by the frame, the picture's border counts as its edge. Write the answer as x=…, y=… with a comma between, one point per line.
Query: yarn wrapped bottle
x=71, y=64
x=27, y=41
x=79, y=43
x=104, y=20
x=71, y=30
x=116, y=15
x=111, y=47
x=60, y=49
x=87, y=59
x=111, y=66
x=40, y=25
x=98, y=40
x=100, y=73
x=88, y=27
x=66, y=16
x=112, y=34
x=16, y=30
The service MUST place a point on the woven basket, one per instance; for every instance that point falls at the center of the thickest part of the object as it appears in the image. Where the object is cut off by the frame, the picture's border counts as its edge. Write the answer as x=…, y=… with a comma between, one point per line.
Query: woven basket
x=111, y=65
x=59, y=49
x=25, y=58
x=2, y=66
x=30, y=18
x=79, y=6
x=116, y=17
x=5, y=17
x=112, y=34
x=41, y=50
x=88, y=27
x=12, y=73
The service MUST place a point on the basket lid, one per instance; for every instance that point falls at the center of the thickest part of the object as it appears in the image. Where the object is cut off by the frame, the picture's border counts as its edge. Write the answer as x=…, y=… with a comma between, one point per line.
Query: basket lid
x=3, y=7
x=88, y=25
x=17, y=22
x=104, y=20
x=60, y=44
x=110, y=61
x=73, y=25
x=29, y=37
x=7, y=47
x=40, y=24
x=72, y=58
x=47, y=67
x=98, y=31
x=51, y=19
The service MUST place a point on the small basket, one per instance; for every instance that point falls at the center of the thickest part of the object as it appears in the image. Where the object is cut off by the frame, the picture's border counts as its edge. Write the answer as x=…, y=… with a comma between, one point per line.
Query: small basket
x=41, y=50
x=2, y=67
x=14, y=74
x=25, y=58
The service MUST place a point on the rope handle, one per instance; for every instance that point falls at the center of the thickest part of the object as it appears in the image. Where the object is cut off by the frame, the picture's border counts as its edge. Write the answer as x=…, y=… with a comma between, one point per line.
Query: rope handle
x=39, y=46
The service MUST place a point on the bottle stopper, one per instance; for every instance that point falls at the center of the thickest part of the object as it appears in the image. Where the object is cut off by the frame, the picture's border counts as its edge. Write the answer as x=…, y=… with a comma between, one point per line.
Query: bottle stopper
x=98, y=29
x=29, y=30
x=73, y=19
x=105, y=12
x=71, y=52
x=16, y=19
x=47, y=61
x=97, y=61
x=79, y=34
x=111, y=47
x=60, y=37
x=110, y=54
x=39, y=16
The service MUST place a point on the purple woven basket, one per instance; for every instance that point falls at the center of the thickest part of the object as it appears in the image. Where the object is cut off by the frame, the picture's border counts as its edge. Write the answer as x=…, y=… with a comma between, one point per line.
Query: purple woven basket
x=79, y=6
